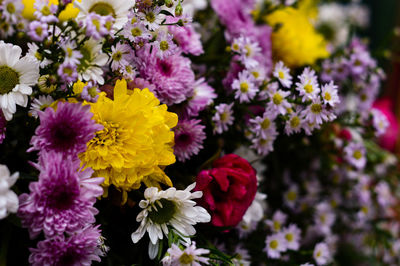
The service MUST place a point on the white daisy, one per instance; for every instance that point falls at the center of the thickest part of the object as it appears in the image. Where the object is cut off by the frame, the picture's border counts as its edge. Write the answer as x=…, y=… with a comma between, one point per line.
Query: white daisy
x=244, y=87
x=118, y=9
x=152, y=18
x=317, y=113
x=281, y=72
x=89, y=67
x=294, y=123
x=278, y=103
x=329, y=94
x=11, y=10
x=190, y=256
x=39, y=104
x=278, y=220
x=291, y=196
x=275, y=244
x=308, y=85
x=17, y=76
x=120, y=54
x=8, y=198
x=292, y=237
x=321, y=254
x=35, y=55
x=171, y=207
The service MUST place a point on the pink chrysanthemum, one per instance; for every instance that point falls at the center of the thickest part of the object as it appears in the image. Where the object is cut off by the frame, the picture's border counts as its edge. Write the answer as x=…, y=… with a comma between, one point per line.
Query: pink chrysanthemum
x=172, y=76
x=66, y=130
x=62, y=200
x=81, y=248
x=189, y=137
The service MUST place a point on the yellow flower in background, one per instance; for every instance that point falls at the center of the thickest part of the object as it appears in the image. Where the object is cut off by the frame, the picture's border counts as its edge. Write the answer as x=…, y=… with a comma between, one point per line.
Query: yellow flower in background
x=136, y=143
x=69, y=12
x=296, y=42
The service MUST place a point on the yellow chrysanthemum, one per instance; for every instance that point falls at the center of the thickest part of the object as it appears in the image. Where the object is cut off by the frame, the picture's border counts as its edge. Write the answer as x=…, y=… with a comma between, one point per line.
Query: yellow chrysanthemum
x=68, y=13
x=296, y=42
x=136, y=142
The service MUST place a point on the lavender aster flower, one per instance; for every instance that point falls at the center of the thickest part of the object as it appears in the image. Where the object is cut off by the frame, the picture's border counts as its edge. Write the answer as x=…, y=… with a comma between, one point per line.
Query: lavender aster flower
x=62, y=200
x=203, y=96
x=223, y=117
x=44, y=12
x=38, y=31
x=164, y=45
x=81, y=248
x=189, y=137
x=68, y=72
x=66, y=130
x=90, y=92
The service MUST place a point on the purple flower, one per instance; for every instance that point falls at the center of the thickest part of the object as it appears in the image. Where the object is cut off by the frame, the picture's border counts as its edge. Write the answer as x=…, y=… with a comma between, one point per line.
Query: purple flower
x=223, y=117
x=355, y=154
x=97, y=26
x=90, y=92
x=66, y=130
x=68, y=72
x=62, y=200
x=164, y=45
x=189, y=137
x=44, y=12
x=187, y=38
x=80, y=248
x=203, y=95
x=38, y=31
x=3, y=123
x=172, y=76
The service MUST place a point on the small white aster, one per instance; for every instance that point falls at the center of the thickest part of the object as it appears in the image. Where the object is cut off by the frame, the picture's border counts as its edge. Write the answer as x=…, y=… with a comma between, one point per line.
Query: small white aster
x=39, y=104
x=308, y=86
x=282, y=73
x=275, y=244
x=329, y=94
x=244, y=87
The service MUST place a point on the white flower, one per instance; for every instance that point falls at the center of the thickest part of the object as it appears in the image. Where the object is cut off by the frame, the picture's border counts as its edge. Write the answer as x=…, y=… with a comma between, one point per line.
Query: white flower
x=278, y=220
x=308, y=86
x=171, y=207
x=355, y=155
x=190, y=256
x=17, y=76
x=321, y=254
x=292, y=237
x=8, y=199
x=281, y=72
x=120, y=54
x=294, y=123
x=316, y=113
x=275, y=244
x=291, y=196
x=36, y=56
x=242, y=257
x=152, y=18
x=278, y=103
x=118, y=9
x=379, y=121
x=324, y=217
x=39, y=104
x=329, y=94
x=223, y=117
x=244, y=87
x=255, y=212
x=91, y=62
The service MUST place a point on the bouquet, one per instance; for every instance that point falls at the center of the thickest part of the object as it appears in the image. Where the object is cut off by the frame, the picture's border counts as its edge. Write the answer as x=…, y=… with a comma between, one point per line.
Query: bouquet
x=193, y=132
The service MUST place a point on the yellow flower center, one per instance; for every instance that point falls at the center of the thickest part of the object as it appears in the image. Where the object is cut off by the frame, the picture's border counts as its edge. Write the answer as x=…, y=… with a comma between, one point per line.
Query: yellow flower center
x=274, y=244
x=255, y=74
x=327, y=96
x=103, y=9
x=96, y=23
x=316, y=108
x=277, y=225
x=46, y=11
x=136, y=32
x=9, y=78
x=10, y=8
x=289, y=237
x=295, y=122
x=357, y=154
x=308, y=88
x=281, y=74
x=225, y=117
x=235, y=47
x=292, y=195
x=163, y=214
x=277, y=99
x=150, y=17
x=266, y=123
x=244, y=87
x=117, y=56
x=92, y=92
x=164, y=46
x=318, y=254
x=186, y=258
x=39, y=31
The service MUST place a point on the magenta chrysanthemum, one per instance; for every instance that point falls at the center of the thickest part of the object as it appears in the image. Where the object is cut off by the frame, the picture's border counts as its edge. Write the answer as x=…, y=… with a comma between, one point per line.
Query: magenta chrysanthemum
x=189, y=137
x=3, y=123
x=66, y=130
x=172, y=77
x=62, y=200
x=81, y=248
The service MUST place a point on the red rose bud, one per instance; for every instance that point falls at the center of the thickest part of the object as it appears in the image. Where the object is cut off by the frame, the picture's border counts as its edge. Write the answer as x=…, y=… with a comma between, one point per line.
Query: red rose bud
x=228, y=189
x=345, y=134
